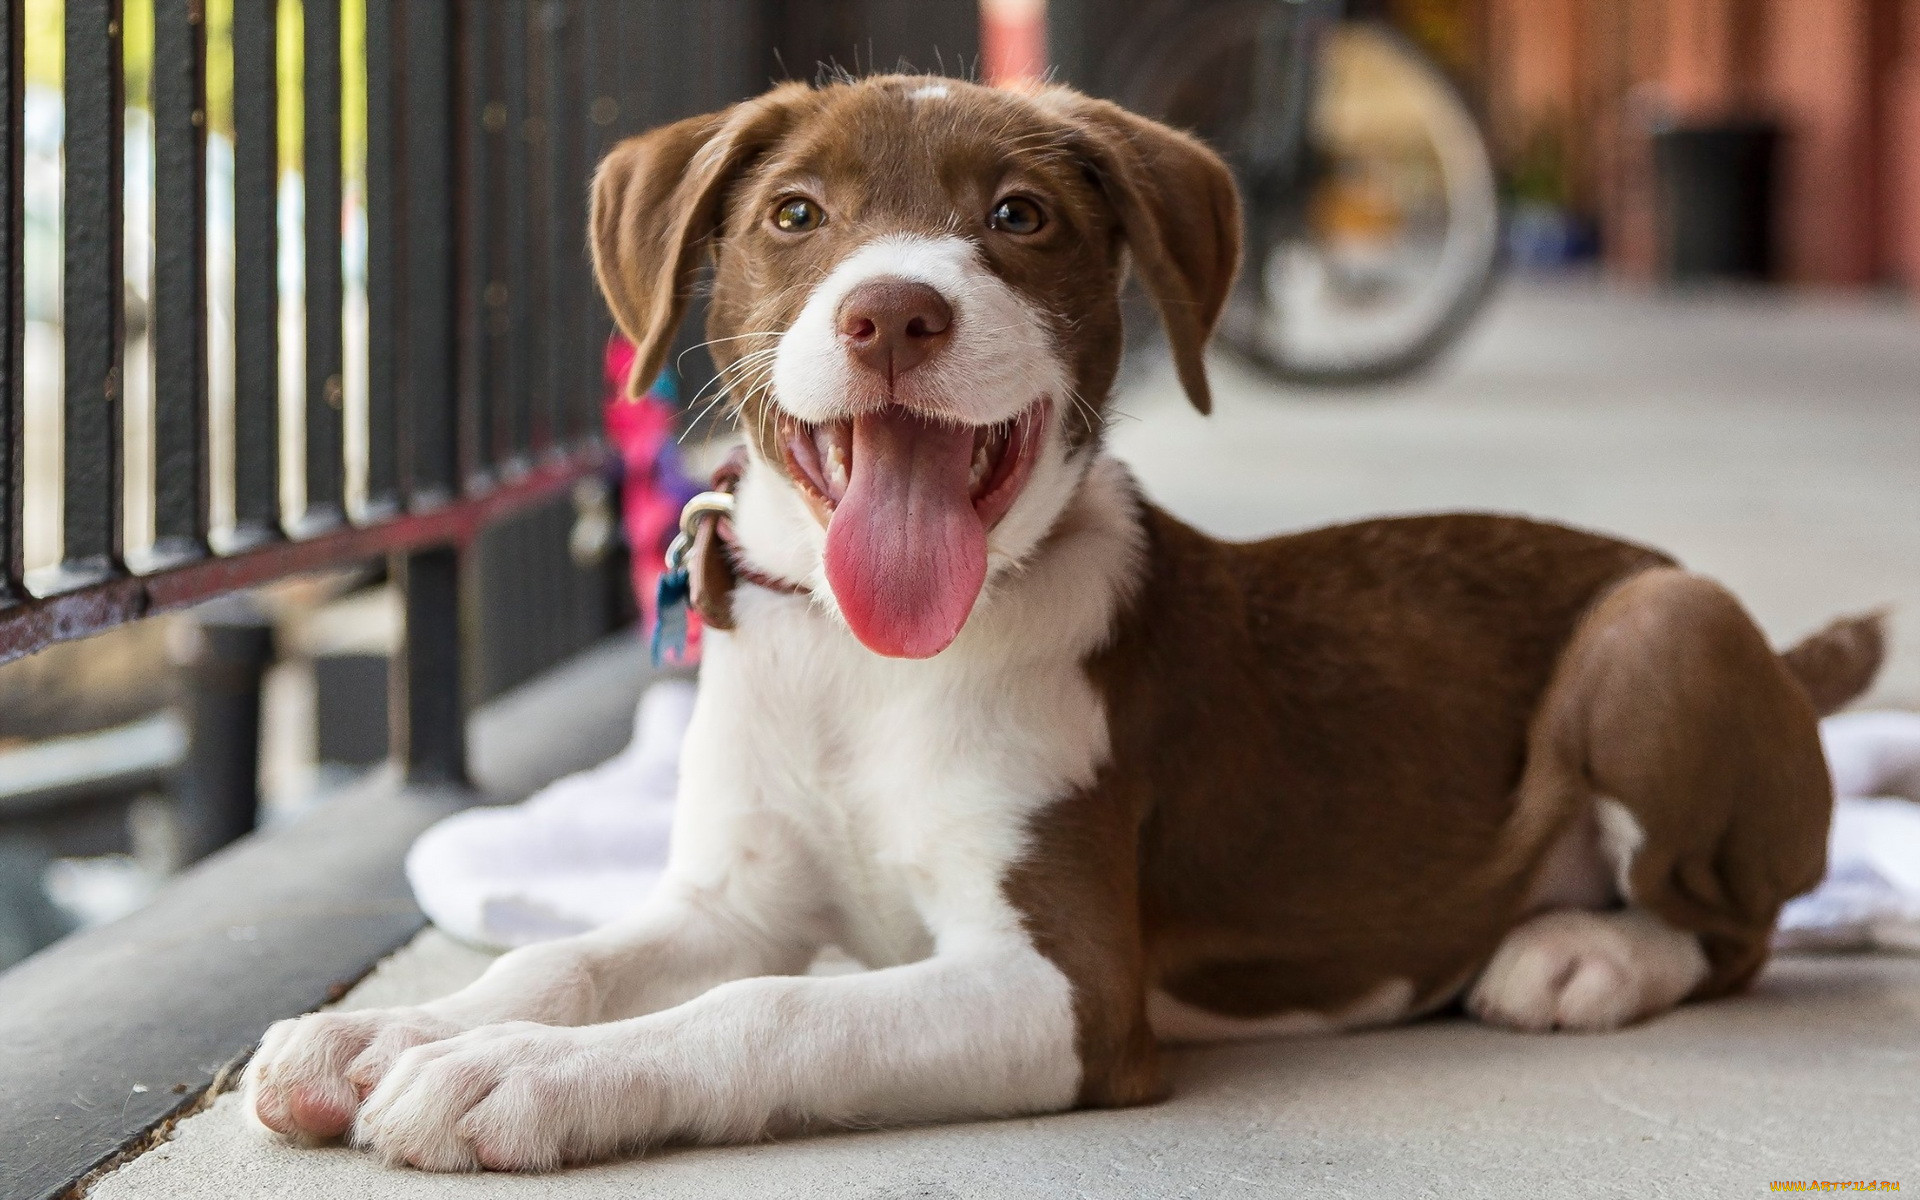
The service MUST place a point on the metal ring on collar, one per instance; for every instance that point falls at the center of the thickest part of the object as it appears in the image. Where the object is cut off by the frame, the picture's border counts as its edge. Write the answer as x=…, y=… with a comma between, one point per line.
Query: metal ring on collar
x=717, y=504
x=702, y=506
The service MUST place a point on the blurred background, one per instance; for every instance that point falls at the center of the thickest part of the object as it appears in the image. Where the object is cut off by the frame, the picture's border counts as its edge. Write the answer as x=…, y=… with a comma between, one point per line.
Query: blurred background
x=1577, y=98
x=1641, y=265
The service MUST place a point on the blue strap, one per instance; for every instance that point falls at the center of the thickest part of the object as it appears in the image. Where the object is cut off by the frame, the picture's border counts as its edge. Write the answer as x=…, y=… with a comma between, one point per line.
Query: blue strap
x=669, y=641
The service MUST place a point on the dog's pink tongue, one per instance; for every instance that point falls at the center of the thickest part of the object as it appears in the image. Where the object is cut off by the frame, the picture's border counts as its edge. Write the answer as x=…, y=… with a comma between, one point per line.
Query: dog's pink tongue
x=906, y=553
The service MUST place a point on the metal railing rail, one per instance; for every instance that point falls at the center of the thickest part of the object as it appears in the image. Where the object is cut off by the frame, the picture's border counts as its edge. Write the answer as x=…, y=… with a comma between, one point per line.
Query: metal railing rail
x=484, y=333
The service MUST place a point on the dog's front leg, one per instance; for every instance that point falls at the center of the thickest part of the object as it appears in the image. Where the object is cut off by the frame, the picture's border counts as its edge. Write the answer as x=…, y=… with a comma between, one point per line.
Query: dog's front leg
x=985, y=1030
x=738, y=901
x=310, y=1073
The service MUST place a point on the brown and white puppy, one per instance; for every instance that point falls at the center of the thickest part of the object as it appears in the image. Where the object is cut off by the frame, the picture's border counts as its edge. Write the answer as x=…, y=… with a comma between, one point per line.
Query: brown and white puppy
x=1071, y=777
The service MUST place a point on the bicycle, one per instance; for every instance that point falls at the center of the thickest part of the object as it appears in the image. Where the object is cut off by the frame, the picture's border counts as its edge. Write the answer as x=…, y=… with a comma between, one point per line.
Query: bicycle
x=1372, y=214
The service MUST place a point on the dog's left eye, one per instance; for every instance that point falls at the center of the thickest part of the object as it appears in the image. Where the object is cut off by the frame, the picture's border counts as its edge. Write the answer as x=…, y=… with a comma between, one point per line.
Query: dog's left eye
x=797, y=214
x=1017, y=214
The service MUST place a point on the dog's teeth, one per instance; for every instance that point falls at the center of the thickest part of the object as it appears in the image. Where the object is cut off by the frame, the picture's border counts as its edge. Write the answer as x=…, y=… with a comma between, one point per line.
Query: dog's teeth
x=836, y=468
x=982, y=460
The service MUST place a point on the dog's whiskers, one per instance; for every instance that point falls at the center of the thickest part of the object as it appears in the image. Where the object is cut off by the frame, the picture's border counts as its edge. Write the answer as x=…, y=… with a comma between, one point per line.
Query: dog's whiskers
x=716, y=341
x=740, y=369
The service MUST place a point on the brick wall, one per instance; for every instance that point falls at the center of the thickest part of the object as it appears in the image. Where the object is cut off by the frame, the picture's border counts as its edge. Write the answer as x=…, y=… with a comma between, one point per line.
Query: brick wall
x=1841, y=76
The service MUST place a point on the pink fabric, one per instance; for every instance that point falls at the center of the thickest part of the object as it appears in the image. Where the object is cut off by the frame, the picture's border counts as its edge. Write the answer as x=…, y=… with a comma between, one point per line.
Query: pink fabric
x=655, y=484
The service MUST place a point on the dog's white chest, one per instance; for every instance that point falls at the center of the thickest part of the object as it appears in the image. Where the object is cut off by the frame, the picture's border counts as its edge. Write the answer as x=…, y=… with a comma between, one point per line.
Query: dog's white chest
x=911, y=783
x=875, y=886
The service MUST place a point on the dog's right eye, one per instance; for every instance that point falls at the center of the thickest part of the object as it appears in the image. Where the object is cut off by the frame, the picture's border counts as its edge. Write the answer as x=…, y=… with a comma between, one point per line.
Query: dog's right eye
x=797, y=214
x=1017, y=214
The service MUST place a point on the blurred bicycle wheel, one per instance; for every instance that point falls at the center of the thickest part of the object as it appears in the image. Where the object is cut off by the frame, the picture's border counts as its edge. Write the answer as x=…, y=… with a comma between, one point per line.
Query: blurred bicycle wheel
x=1373, y=218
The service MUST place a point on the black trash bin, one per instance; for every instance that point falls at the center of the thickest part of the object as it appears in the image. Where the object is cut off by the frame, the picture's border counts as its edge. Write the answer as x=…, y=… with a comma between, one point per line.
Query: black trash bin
x=1716, y=199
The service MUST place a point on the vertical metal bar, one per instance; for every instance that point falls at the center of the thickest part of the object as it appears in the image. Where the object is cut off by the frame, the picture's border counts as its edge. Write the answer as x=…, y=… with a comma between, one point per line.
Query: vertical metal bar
x=536, y=233
x=474, y=275
x=584, y=136
x=604, y=109
x=432, y=466
x=12, y=302
x=537, y=321
x=320, y=136
x=562, y=70
x=517, y=312
x=500, y=250
x=598, y=131
x=220, y=788
x=610, y=117
x=429, y=711
x=384, y=302
x=91, y=286
x=635, y=36
x=256, y=279
x=180, y=475
x=538, y=135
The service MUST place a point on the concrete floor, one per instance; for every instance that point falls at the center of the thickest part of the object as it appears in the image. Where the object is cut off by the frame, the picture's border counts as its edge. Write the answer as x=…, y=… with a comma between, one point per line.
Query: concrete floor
x=1811, y=1076
x=1773, y=443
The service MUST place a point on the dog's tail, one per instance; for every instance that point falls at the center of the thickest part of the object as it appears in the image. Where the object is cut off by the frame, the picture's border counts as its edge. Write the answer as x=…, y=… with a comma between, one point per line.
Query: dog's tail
x=1839, y=662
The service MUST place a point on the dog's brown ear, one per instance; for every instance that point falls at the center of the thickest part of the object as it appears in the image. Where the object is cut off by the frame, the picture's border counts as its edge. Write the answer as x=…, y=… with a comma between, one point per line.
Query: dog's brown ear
x=657, y=198
x=1180, y=213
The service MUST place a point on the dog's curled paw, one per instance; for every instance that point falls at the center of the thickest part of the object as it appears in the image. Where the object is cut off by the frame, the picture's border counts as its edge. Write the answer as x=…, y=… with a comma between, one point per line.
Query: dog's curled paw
x=509, y=1097
x=1586, y=972
x=310, y=1074
x=1548, y=985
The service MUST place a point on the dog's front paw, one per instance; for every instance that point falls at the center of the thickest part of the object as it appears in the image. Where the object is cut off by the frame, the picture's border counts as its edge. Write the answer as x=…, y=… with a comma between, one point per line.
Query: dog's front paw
x=509, y=1097
x=310, y=1073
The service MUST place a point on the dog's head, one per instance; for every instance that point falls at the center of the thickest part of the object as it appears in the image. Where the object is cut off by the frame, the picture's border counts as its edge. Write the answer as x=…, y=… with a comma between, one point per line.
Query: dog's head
x=916, y=308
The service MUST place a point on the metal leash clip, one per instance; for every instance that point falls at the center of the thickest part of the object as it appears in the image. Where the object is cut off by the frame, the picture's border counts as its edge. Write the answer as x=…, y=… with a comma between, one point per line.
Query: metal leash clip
x=671, y=598
x=705, y=504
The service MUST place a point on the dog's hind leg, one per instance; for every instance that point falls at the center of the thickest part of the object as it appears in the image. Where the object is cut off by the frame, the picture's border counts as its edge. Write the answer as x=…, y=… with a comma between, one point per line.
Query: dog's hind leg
x=1698, y=750
x=1587, y=971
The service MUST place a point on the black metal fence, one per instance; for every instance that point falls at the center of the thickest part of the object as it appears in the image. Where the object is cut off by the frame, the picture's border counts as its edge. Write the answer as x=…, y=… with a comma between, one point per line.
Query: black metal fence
x=483, y=334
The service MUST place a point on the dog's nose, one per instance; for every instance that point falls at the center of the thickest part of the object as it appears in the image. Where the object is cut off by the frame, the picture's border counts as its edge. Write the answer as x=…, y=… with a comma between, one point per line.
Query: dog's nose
x=893, y=325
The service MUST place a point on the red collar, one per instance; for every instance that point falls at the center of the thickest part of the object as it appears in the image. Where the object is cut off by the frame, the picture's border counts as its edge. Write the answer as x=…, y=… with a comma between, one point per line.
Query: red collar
x=742, y=569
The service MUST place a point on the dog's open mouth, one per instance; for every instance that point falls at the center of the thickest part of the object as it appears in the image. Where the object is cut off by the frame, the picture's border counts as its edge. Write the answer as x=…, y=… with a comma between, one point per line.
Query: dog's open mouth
x=908, y=503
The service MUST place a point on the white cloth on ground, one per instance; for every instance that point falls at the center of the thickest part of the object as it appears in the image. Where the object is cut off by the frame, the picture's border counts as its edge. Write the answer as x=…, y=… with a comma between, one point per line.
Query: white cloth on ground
x=575, y=855
x=588, y=848
x=1870, y=897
